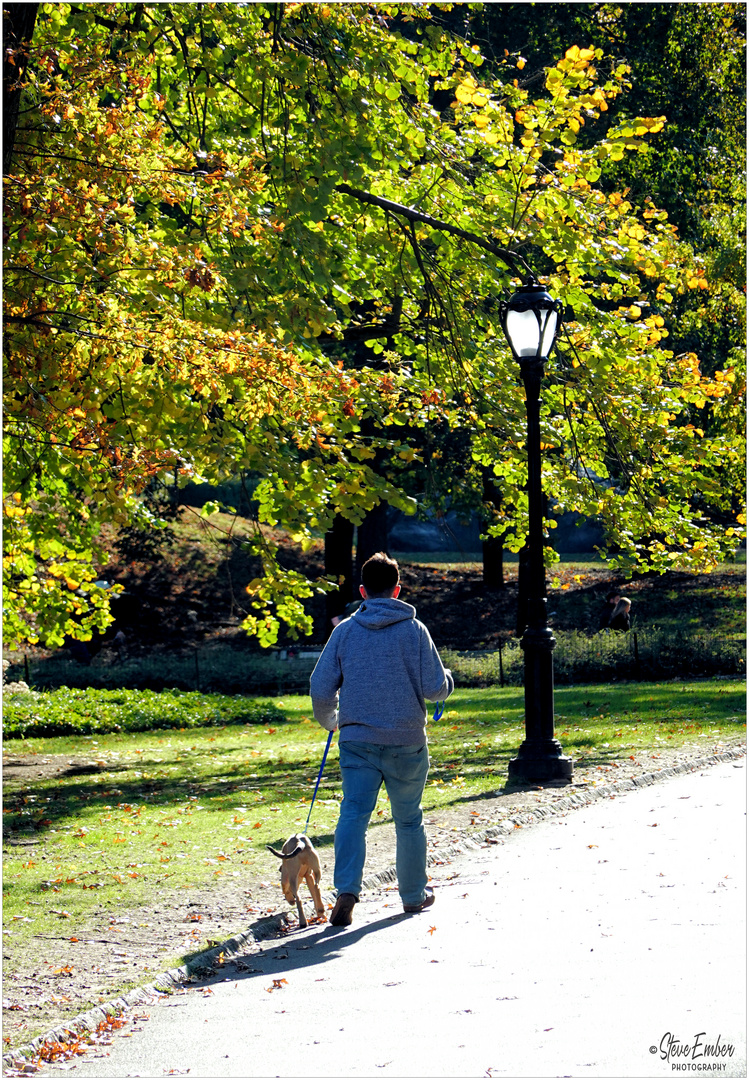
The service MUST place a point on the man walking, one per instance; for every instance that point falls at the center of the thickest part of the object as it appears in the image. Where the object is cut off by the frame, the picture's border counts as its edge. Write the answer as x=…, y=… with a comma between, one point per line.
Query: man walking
x=372, y=680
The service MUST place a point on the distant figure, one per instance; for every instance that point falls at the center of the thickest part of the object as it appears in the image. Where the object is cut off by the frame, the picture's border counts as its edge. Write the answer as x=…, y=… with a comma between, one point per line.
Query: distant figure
x=120, y=644
x=620, y=616
x=347, y=612
x=611, y=601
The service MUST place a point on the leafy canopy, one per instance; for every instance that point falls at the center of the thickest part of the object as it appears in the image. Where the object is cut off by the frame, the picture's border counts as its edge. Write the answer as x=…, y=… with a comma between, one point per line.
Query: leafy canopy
x=211, y=208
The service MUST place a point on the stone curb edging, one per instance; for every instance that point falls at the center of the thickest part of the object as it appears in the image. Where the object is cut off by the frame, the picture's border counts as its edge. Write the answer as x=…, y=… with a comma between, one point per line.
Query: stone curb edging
x=164, y=983
x=204, y=962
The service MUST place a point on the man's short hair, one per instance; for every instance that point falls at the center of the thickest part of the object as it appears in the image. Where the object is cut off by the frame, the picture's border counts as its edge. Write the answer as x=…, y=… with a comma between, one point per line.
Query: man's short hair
x=380, y=574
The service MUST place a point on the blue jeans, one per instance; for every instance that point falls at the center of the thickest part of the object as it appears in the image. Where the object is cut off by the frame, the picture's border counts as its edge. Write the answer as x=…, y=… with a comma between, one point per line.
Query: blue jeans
x=364, y=768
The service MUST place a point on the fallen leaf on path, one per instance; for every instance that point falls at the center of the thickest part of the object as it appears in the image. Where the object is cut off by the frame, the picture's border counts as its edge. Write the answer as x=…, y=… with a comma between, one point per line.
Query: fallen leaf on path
x=431, y=929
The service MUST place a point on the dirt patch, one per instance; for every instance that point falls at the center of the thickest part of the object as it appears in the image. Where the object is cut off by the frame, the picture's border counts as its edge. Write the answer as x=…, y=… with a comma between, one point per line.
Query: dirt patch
x=29, y=767
x=70, y=968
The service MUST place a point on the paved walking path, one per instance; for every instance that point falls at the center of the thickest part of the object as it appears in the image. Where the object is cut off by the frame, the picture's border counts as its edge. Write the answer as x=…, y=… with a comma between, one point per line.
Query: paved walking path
x=607, y=942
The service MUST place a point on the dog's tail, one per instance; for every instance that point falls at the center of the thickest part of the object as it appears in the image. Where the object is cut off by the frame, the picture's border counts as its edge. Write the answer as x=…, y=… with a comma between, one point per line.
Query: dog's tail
x=287, y=854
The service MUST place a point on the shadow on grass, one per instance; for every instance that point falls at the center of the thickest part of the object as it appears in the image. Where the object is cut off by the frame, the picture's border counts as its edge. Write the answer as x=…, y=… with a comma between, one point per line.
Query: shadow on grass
x=60, y=800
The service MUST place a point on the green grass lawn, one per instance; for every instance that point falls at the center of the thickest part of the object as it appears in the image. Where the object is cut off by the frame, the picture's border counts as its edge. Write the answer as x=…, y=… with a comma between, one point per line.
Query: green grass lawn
x=172, y=809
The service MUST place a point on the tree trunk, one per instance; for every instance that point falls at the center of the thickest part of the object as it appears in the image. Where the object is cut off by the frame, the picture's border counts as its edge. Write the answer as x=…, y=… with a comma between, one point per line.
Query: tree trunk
x=18, y=30
x=371, y=537
x=339, y=542
x=492, y=548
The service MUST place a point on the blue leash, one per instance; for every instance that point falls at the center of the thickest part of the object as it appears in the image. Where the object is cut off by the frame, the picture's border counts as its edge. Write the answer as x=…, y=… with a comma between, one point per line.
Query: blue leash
x=439, y=708
x=319, y=778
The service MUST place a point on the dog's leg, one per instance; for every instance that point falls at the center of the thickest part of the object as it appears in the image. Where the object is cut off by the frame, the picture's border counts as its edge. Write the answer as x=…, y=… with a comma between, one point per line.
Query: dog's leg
x=295, y=884
x=313, y=880
x=302, y=917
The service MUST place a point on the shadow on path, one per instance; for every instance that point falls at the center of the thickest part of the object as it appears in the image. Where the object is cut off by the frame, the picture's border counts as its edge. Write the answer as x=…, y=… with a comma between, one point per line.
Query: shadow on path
x=297, y=950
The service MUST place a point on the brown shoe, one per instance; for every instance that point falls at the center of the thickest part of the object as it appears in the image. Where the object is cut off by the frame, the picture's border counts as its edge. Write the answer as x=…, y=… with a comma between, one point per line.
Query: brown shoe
x=414, y=909
x=344, y=905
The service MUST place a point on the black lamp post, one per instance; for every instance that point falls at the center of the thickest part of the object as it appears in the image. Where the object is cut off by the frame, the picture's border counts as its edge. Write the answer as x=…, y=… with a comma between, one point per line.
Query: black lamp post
x=530, y=320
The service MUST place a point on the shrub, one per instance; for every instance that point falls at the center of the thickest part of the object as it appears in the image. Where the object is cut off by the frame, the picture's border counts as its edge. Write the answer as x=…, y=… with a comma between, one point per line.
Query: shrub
x=96, y=712
x=648, y=653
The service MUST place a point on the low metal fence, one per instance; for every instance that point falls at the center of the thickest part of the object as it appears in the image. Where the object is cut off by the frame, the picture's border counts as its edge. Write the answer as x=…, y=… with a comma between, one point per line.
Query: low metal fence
x=643, y=654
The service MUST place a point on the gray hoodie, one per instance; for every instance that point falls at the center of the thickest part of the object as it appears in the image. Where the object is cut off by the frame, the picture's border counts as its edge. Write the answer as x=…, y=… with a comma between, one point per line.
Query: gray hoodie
x=375, y=675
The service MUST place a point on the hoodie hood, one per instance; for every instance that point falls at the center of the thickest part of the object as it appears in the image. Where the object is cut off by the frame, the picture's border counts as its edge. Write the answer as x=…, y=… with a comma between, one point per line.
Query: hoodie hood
x=378, y=613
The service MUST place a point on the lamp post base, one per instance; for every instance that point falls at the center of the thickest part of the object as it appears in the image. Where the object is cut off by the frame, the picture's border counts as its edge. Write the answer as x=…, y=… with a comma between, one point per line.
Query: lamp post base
x=540, y=761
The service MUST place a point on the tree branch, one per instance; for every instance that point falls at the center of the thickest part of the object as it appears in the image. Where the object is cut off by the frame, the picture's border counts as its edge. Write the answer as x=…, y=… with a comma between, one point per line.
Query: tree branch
x=511, y=259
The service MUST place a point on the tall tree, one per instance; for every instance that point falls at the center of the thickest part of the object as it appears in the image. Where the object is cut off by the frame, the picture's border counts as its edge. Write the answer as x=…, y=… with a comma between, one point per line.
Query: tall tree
x=18, y=30
x=202, y=198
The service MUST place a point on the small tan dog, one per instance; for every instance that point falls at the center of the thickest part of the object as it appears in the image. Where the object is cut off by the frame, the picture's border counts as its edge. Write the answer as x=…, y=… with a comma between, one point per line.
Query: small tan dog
x=299, y=862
